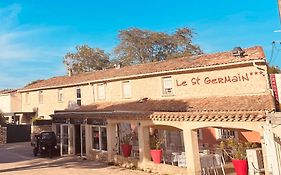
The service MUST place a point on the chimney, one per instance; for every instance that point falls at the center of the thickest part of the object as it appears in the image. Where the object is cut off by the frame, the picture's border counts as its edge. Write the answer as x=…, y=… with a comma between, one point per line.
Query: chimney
x=117, y=66
x=238, y=52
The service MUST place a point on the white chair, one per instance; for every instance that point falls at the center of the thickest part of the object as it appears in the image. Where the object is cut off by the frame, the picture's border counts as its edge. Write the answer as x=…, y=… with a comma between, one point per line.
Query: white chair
x=182, y=160
x=174, y=157
x=205, y=164
x=218, y=163
x=135, y=151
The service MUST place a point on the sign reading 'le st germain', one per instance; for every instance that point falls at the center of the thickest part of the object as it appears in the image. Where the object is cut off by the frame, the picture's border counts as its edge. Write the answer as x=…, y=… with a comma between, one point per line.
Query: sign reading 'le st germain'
x=219, y=80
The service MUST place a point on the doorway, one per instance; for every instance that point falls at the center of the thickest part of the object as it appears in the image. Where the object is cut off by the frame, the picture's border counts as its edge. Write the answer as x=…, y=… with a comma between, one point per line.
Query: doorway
x=64, y=139
x=80, y=140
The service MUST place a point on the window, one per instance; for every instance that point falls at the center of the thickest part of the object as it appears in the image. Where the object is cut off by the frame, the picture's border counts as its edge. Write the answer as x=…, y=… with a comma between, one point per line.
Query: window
x=99, y=138
x=27, y=98
x=58, y=132
x=200, y=134
x=225, y=134
x=167, y=83
x=101, y=91
x=60, y=95
x=78, y=96
x=40, y=97
x=126, y=89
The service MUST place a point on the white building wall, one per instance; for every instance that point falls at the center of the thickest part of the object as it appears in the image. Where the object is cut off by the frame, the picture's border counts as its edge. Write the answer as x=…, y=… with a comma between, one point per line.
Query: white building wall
x=5, y=103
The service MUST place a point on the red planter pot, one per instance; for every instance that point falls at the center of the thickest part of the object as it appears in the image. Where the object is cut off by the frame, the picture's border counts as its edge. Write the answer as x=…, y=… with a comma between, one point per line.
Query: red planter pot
x=240, y=166
x=156, y=156
x=126, y=149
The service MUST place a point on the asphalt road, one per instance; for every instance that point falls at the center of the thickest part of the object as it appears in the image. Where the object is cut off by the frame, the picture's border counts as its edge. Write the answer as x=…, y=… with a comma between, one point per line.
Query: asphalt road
x=18, y=159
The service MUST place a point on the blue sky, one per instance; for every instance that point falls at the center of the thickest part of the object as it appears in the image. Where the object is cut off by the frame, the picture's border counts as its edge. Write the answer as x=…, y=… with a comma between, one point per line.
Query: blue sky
x=35, y=35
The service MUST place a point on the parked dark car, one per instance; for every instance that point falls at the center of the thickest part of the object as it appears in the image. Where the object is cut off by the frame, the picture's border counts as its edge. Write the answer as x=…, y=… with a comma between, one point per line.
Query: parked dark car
x=45, y=143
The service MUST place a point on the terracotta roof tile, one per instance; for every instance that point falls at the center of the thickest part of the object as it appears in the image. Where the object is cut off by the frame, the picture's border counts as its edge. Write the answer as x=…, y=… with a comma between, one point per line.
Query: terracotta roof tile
x=226, y=116
x=208, y=104
x=7, y=91
x=253, y=53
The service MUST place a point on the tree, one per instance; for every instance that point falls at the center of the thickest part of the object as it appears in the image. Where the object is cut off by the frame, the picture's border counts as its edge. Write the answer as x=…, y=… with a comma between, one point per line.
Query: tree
x=33, y=82
x=274, y=70
x=86, y=59
x=142, y=46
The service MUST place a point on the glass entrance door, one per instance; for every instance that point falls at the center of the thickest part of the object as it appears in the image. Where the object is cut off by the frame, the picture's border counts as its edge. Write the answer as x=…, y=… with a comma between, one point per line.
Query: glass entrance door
x=64, y=140
x=83, y=140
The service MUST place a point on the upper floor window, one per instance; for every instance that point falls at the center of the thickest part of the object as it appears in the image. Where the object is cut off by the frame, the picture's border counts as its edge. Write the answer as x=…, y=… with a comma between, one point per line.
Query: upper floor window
x=60, y=95
x=126, y=89
x=167, y=85
x=78, y=96
x=40, y=97
x=101, y=91
x=27, y=98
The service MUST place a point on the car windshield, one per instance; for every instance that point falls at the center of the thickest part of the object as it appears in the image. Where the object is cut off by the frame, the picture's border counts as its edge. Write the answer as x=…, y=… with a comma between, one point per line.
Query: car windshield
x=46, y=136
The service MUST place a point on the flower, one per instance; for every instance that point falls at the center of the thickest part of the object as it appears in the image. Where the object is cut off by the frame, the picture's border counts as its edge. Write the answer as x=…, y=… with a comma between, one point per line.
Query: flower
x=235, y=148
x=156, y=142
x=127, y=137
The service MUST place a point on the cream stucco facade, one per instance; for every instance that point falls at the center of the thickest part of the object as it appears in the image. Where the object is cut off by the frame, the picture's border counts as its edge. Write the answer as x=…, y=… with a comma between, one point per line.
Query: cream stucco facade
x=95, y=133
x=10, y=102
x=232, y=80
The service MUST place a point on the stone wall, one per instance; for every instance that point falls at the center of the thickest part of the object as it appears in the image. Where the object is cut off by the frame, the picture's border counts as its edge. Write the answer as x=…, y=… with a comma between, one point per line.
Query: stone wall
x=3, y=135
x=125, y=162
x=97, y=155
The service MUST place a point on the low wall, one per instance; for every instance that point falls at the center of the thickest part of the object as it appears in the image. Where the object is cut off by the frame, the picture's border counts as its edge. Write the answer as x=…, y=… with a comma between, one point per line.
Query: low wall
x=163, y=169
x=133, y=163
x=97, y=155
x=3, y=135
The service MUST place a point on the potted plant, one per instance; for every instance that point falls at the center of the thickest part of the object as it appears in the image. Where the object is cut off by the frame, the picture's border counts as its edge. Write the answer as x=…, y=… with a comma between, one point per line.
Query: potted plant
x=236, y=150
x=155, y=148
x=126, y=144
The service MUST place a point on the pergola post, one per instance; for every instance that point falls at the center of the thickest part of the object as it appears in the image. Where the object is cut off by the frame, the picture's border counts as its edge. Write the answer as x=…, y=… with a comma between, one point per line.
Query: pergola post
x=144, y=148
x=192, y=151
x=111, y=140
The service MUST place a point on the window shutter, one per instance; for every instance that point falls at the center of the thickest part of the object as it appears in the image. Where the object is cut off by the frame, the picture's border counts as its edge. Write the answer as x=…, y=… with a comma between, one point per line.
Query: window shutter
x=167, y=85
x=101, y=91
x=218, y=133
x=126, y=89
x=236, y=134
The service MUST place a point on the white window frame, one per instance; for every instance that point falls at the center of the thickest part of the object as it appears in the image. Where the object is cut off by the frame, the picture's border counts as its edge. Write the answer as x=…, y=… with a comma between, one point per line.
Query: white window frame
x=40, y=97
x=27, y=98
x=60, y=95
x=78, y=98
x=100, y=137
x=124, y=83
x=100, y=85
x=167, y=91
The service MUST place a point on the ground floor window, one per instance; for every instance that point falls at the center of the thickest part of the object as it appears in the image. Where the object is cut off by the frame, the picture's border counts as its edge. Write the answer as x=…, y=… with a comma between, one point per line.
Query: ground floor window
x=225, y=134
x=58, y=132
x=99, y=138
